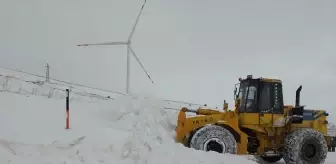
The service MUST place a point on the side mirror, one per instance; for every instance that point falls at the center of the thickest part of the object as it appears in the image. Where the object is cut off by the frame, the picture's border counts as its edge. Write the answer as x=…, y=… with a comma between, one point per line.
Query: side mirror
x=235, y=91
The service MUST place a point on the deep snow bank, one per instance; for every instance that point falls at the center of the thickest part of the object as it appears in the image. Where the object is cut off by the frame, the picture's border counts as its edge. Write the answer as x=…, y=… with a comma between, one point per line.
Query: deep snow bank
x=127, y=130
x=152, y=128
x=124, y=131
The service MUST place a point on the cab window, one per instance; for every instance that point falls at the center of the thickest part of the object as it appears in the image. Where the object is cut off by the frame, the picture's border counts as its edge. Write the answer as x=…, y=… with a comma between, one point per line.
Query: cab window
x=266, y=98
x=248, y=97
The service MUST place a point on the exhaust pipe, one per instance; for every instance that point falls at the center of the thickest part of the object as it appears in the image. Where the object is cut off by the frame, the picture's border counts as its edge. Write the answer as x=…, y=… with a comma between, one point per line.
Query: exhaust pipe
x=297, y=100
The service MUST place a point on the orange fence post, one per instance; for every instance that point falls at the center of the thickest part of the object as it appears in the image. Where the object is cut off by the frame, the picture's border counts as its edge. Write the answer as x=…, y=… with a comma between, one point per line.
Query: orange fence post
x=67, y=122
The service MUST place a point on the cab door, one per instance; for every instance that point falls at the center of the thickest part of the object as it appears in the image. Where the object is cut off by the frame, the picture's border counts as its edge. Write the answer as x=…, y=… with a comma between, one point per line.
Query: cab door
x=271, y=105
x=248, y=110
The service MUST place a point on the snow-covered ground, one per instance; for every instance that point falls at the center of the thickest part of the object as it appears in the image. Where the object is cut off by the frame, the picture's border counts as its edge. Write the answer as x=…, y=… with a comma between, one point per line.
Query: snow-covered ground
x=124, y=130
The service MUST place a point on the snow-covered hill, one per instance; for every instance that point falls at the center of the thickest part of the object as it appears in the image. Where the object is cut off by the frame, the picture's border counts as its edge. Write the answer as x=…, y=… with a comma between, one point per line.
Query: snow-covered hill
x=123, y=130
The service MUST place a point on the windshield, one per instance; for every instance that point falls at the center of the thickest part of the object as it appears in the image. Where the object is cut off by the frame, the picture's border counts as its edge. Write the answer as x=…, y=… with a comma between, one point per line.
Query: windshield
x=247, y=95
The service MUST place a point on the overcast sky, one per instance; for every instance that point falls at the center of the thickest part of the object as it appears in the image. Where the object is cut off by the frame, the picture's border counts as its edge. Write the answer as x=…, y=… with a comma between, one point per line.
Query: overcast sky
x=194, y=50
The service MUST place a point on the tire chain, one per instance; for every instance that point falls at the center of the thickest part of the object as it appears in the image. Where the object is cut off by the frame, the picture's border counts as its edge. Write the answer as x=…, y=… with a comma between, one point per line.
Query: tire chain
x=293, y=145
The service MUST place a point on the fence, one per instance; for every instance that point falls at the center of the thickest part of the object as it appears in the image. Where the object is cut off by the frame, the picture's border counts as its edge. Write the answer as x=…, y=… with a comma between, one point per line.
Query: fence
x=56, y=89
x=49, y=90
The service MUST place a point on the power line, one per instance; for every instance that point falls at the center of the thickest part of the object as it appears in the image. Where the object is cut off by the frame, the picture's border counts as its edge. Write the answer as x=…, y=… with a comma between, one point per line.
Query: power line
x=53, y=88
x=65, y=81
x=174, y=101
x=182, y=102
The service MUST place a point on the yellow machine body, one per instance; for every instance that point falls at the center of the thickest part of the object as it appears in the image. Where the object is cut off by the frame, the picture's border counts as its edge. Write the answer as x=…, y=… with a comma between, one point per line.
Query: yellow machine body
x=186, y=126
x=269, y=129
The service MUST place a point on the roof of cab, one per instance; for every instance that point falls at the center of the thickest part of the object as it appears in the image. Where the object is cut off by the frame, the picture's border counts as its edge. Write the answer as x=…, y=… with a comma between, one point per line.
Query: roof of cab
x=271, y=80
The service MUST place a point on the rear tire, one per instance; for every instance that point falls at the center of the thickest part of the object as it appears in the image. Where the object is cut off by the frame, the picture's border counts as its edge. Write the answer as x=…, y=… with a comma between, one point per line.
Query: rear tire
x=305, y=146
x=214, y=138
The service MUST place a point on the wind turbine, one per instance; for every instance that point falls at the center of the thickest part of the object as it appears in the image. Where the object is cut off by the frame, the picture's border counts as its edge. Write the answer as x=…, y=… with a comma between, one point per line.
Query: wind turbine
x=129, y=51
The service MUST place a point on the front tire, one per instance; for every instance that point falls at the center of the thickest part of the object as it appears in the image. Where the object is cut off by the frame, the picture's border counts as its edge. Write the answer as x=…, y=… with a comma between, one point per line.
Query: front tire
x=214, y=138
x=305, y=146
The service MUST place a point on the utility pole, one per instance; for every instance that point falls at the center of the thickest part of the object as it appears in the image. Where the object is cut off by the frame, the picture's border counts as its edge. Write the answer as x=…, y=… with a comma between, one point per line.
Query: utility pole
x=47, y=73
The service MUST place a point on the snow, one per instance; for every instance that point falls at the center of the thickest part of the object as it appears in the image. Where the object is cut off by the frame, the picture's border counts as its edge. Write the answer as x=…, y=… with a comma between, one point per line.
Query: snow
x=125, y=130
x=122, y=131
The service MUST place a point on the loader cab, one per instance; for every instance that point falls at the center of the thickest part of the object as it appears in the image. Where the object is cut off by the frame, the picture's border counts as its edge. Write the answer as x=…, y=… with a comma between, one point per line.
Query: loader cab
x=258, y=98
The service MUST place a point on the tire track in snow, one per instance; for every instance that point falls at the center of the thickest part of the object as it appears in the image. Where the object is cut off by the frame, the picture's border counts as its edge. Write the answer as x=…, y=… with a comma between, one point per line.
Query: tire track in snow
x=16, y=148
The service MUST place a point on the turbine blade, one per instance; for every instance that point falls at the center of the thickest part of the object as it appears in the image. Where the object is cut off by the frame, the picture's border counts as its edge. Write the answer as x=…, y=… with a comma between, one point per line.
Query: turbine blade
x=136, y=21
x=136, y=57
x=106, y=43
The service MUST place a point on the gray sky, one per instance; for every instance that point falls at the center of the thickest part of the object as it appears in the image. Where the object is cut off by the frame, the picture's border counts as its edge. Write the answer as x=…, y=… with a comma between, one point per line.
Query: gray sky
x=194, y=50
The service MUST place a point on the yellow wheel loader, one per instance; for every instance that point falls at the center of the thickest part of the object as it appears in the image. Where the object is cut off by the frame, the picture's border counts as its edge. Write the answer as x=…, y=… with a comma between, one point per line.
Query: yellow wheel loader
x=260, y=125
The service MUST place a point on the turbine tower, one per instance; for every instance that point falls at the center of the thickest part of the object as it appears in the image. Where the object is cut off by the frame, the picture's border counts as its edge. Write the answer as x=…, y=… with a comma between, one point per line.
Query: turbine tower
x=129, y=51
